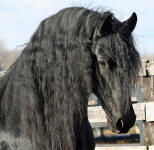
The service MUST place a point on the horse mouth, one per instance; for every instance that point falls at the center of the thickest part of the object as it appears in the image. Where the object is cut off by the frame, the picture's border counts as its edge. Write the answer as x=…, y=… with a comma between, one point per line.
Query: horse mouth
x=120, y=124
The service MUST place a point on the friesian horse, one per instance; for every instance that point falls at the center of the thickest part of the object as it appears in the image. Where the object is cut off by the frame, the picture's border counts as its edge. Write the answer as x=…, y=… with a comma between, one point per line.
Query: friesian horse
x=72, y=54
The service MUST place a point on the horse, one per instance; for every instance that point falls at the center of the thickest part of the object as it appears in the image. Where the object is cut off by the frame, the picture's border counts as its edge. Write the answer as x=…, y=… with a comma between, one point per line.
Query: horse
x=72, y=54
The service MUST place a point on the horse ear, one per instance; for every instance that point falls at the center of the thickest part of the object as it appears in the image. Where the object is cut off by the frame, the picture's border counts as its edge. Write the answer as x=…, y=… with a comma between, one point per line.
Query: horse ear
x=131, y=22
x=104, y=27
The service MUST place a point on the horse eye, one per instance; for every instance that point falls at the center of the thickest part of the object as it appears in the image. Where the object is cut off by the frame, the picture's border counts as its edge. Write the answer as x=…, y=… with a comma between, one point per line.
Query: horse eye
x=102, y=63
x=112, y=64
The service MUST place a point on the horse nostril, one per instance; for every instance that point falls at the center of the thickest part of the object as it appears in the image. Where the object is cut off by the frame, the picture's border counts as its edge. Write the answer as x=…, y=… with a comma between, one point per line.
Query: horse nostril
x=120, y=124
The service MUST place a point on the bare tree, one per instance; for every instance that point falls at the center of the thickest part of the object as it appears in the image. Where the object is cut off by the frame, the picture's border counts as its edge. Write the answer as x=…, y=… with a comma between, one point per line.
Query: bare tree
x=7, y=57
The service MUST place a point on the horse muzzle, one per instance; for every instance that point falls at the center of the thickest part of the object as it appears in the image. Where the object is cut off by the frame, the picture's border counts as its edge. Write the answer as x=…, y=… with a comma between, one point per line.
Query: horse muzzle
x=123, y=124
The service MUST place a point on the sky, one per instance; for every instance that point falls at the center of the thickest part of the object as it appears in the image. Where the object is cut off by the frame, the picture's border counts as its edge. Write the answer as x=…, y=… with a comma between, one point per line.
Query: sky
x=20, y=18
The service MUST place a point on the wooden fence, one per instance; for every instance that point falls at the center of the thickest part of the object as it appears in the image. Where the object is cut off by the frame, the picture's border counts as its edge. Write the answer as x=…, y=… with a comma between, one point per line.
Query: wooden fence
x=144, y=109
x=2, y=73
x=144, y=112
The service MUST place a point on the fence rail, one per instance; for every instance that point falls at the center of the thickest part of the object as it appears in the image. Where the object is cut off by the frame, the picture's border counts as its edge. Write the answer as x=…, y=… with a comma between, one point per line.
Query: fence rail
x=126, y=148
x=2, y=73
x=143, y=111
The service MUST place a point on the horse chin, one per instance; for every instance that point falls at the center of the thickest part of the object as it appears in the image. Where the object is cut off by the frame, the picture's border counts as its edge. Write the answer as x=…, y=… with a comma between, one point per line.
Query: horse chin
x=122, y=125
x=114, y=129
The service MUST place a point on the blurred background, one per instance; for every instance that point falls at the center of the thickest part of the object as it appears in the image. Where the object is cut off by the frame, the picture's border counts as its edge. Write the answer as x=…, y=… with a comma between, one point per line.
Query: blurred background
x=19, y=20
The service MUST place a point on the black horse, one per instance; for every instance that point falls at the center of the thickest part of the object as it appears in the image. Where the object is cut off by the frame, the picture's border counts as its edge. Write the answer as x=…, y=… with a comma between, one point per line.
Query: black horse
x=44, y=94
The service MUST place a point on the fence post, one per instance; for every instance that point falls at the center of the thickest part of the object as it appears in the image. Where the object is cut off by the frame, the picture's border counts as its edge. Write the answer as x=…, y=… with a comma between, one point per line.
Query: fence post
x=148, y=95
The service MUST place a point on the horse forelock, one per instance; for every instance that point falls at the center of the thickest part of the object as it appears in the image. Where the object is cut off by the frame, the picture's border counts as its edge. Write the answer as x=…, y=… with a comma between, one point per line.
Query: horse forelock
x=127, y=57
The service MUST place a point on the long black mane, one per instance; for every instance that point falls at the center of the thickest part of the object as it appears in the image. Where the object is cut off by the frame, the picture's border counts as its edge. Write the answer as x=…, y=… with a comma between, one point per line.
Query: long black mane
x=44, y=94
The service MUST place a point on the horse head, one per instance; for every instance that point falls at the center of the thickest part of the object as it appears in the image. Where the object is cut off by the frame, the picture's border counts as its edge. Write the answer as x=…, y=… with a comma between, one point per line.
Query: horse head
x=117, y=60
